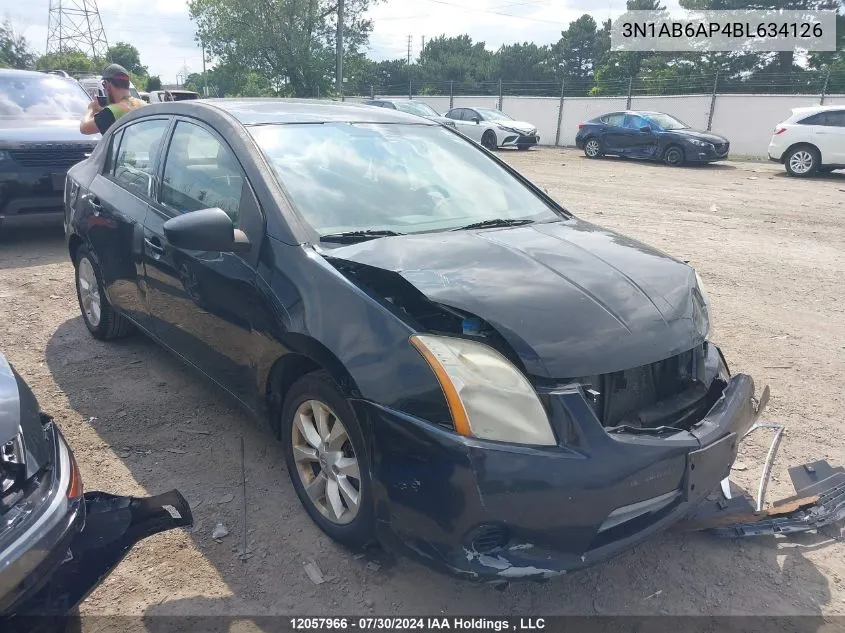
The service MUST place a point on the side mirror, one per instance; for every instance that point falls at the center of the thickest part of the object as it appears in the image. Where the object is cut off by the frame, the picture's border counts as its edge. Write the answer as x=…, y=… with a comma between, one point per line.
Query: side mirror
x=646, y=129
x=206, y=230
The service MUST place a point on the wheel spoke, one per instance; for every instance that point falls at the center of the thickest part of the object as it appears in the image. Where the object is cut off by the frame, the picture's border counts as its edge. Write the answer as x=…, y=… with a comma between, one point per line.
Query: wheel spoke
x=321, y=418
x=333, y=498
x=337, y=438
x=349, y=493
x=307, y=429
x=316, y=490
x=348, y=466
x=304, y=454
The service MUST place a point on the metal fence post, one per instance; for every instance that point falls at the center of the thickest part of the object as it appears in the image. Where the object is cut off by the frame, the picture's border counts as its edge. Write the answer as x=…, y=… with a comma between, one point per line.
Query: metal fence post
x=451, y=94
x=713, y=102
x=560, y=113
x=824, y=86
x=410, y=88
x=500, y=93
x=318, y=92
x=372, y=92
x=630, y=87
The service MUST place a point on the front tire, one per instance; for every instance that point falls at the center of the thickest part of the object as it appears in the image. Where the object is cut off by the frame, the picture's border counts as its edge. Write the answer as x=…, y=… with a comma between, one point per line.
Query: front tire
x=802, y=161
x=327, y=460
x=488, y=140
x=98, y=314
x=592, y=148
x=673, y=156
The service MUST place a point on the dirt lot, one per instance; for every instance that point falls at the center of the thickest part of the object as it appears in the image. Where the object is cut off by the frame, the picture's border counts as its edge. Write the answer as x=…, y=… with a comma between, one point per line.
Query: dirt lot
x=771, y=250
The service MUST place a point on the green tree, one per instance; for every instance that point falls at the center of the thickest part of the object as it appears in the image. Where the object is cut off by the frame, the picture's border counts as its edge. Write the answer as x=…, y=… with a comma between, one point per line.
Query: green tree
x=153, y=83
x=525, y=62
x=127, y=56
x=73, y=62
x=14, y=49
x=291, y=43
x=581, y=51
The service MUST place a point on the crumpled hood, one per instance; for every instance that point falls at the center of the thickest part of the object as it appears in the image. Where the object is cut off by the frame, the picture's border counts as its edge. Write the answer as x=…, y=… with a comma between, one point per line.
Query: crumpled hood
x=14, y=131
x=19, y=413
x=572, y=299
x=700, y=135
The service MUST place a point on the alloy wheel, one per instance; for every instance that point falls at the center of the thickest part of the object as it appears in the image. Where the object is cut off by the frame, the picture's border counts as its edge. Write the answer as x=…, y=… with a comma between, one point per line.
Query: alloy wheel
x=326, y=462
x=592, y=148
x=801, y=161
x=89, y=291
x=674, y=156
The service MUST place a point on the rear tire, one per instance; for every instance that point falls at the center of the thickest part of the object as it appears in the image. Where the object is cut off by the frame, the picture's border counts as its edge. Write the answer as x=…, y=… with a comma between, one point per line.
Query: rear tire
x=592, y=148
x=802, y=161
x=98, y=314
x=673, y=156
x=329, y=470
x=488, y=140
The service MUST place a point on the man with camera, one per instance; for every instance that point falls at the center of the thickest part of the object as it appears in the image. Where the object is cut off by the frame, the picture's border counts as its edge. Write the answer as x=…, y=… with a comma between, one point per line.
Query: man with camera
x=117, y=102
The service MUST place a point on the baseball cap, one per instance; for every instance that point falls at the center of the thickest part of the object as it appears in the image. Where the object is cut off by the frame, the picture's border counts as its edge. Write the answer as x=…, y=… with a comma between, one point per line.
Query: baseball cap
x=116, y=72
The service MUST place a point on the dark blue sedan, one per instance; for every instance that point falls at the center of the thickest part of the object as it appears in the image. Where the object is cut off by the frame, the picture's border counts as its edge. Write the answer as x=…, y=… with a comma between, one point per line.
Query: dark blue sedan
x=649, y=136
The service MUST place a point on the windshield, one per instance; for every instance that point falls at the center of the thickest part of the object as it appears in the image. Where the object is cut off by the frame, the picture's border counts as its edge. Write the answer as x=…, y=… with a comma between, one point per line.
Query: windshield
x=47, y=97
x=399, y=177
x=666, y=122
x=493, y=115
x=414, y=107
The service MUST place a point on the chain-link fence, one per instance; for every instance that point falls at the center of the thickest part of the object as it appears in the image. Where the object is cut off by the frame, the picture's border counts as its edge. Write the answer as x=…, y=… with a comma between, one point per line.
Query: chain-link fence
x=814, y=82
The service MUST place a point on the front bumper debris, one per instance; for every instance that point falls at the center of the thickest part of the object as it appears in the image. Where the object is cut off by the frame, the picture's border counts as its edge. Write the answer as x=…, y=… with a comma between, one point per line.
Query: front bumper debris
x=113, y=525
x=819, y=501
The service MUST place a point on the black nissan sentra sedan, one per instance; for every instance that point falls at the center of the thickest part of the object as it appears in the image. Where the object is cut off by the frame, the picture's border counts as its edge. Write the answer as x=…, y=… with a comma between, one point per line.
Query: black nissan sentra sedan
x=454, y=363
x=650, y=136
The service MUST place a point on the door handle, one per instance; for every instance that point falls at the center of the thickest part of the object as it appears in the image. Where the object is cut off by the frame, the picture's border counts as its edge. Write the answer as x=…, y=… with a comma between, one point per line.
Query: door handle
x=154, y=245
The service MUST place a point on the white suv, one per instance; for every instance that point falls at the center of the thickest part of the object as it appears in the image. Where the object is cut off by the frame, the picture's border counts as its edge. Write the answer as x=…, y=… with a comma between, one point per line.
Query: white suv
x=811, y=140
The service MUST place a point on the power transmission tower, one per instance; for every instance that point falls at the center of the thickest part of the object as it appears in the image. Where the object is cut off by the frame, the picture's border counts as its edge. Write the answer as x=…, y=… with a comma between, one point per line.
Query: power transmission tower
x=75, y=25
x=409, y=49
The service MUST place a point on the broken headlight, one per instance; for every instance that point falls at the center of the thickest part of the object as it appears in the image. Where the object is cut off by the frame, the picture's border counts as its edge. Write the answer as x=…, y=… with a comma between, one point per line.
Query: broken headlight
x=488, y=397
x=11, y=462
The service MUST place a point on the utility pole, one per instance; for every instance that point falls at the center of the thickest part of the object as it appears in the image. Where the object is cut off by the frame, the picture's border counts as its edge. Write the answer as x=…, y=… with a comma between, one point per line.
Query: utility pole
x=409, y=50
x=339, y=78
x=410, y=80
x=422, y=47
x=204, y=74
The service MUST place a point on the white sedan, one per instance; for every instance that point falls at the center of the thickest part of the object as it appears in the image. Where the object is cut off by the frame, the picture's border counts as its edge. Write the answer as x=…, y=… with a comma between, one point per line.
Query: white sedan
x=493, y=128
x=811, y=140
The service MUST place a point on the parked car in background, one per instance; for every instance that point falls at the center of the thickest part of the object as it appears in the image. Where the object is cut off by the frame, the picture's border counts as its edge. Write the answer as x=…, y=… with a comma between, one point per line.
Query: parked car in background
x=145, y=96
x=56, y=543
x=162, y=96
x=810, y=141
x=455, y=364
x=39, y=141
x=411, y=106
x=94, y=87
x=650, y=136
x=493, y=128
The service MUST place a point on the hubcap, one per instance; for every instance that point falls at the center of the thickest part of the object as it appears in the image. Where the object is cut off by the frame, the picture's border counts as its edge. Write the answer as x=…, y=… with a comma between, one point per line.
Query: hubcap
x=89, y=292
x=592, y=148
x=674, y=156
x=801, y=162
x=326, y=462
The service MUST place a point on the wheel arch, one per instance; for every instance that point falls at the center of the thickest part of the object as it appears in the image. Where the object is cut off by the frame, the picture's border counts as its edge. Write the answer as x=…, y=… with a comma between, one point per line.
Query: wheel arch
x=798, y=144
x=302, y=355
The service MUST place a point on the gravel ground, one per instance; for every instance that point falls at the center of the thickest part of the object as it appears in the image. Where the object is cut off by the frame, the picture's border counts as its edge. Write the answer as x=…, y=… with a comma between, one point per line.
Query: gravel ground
x=771, y=250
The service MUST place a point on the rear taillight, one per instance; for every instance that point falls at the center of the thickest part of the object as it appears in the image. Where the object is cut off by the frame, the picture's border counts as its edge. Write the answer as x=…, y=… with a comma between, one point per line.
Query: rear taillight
x=779, y=130
x=580, y=126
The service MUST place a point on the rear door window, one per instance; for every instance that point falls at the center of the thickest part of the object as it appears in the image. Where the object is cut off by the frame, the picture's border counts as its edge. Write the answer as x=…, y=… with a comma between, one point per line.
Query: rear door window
x=635, y=122
x=134, y=166
x=615, y=119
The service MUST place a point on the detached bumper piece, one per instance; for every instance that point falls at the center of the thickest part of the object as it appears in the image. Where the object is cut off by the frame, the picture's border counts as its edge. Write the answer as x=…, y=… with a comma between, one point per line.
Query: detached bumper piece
x=113, y=525
x=819, y=500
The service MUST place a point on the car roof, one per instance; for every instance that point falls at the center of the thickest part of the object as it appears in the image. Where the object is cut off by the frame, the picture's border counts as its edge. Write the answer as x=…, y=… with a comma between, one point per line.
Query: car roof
x=266, y=111
x=13, y=72
x=818, y=108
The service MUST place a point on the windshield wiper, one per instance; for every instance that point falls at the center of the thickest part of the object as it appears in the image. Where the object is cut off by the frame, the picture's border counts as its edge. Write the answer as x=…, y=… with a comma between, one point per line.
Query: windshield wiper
x=497, y=222
x=357, y=236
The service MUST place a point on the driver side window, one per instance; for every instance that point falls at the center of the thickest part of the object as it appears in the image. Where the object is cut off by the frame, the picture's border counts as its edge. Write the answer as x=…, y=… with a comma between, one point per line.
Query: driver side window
x=134, y=165
x=635, y=122
x=200, y=172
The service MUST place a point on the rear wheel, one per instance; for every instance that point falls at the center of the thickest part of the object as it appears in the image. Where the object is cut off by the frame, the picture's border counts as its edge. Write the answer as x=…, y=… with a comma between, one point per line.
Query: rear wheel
x=673, y=156
x=97, y=313
x=488, y=140
x=592, y=148
x=802, y=161
x=327, y=460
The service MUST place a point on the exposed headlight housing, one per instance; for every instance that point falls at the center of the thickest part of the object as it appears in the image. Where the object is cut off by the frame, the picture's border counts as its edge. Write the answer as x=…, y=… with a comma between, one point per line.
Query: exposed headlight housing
x=12, y=458
x=701, y=307
x=699, y=143
x=488, y=397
